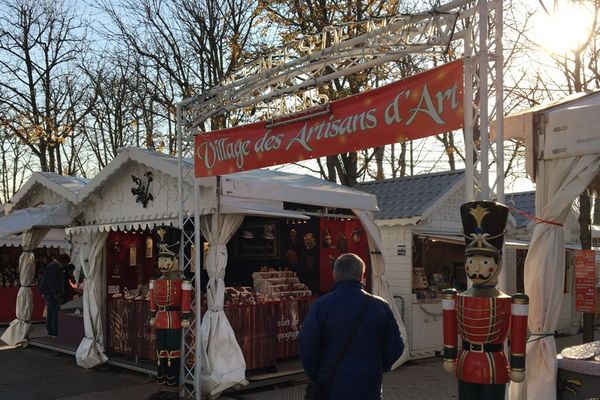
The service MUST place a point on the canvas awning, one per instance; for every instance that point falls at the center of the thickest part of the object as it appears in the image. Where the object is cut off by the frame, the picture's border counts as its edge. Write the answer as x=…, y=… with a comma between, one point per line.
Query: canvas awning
x=264, y=208
x=149, y=223
x=457, y=239
x=56, y=216
x=54, y=238
x=270, y=185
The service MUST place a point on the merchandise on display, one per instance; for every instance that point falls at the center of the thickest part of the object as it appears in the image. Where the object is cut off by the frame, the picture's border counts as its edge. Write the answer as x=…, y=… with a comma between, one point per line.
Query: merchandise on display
x=270, y=284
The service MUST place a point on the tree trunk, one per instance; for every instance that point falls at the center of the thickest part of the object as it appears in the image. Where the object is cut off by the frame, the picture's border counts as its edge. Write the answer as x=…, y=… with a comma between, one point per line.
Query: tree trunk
x=596, y=218
x=331, y=174
x=585, y=236
x=379, y=152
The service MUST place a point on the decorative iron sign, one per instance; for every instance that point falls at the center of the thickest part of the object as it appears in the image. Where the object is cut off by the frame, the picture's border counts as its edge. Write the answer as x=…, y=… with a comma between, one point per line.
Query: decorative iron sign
x=142, y=189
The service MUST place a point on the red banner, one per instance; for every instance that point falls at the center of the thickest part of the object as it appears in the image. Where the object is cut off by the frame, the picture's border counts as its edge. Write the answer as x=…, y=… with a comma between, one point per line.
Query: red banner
x=585, y=281
x=422, y=105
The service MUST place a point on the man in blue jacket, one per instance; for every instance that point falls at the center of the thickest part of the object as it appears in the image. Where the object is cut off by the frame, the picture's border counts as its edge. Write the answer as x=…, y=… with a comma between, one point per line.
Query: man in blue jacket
x=52, y=287
x=375, y=347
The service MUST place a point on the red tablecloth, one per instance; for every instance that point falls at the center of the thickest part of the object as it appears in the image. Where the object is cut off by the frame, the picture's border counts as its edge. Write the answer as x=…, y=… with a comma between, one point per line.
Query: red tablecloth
x=253, y=326
x=8, y=303
x=289, y=317
x=265, y=332
x=268, y=331
x=129, y=330
x=70, y=328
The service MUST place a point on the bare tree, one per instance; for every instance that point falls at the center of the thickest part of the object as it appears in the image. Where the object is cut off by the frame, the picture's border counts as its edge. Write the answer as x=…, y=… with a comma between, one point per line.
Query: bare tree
x=297, y=18
x=185, y=47
x=44, y=97
x=124, y=113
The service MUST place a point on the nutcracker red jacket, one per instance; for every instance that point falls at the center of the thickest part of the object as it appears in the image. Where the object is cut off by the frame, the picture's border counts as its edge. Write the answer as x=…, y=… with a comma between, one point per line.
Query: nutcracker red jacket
x=375, y=347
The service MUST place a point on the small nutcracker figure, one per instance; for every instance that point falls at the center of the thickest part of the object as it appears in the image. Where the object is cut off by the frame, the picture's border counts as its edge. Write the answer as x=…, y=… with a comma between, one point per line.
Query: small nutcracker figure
x=170, y=298
x=483, y=315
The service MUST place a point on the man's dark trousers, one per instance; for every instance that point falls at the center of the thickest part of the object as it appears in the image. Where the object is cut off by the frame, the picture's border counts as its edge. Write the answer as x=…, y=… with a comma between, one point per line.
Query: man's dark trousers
x=52, y=314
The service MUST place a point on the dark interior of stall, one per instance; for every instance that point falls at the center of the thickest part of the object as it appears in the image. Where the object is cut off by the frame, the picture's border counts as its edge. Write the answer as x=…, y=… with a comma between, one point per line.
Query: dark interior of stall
x=131, y=263
x=437, y=265
x=569, y=265
x=9, y=280
x=276, y=268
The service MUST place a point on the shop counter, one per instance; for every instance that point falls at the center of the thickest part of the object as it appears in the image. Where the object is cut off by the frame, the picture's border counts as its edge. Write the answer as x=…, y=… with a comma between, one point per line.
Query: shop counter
x=268, y=331
x=129, y=330
x=289, y=318
x=8, y=302
x=70, y=328
x=253, y=328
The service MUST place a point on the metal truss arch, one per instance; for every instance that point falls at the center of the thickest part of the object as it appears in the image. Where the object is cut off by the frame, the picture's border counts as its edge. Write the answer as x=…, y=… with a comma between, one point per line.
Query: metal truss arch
x=286, y=81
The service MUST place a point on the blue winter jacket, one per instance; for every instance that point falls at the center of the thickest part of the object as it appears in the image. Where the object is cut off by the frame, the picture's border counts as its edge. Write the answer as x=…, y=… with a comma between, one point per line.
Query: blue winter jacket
x=375, y=347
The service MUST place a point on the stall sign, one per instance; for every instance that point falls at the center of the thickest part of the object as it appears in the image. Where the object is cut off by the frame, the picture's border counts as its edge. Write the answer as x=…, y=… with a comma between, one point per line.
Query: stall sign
x=422, y=105
x=585, y=281
x=113, y=289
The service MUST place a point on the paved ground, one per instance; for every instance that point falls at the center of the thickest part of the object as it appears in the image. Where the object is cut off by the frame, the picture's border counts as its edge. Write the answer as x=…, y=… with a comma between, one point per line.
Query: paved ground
x=420, y=380
x=40, y=374
x=34, y=373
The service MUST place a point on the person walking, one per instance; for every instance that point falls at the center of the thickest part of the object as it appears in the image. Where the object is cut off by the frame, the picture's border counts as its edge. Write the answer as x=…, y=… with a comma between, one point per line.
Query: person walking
x=349, y=338
x=52, y=286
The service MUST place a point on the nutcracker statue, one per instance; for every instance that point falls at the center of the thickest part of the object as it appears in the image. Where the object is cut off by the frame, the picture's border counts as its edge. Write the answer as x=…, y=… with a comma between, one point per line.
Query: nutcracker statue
x=483, y=315
x=170, y=298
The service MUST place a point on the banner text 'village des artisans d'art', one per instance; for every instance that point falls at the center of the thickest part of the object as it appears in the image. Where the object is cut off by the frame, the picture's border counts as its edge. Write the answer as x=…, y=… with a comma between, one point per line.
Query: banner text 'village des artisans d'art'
x=422, y=105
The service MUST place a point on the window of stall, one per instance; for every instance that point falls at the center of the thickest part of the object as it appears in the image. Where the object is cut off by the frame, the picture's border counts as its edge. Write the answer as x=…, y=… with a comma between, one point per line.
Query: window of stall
x=437, y=265
x=9, y=280
x=130, y=265
x=569, y=267
x=276, y=269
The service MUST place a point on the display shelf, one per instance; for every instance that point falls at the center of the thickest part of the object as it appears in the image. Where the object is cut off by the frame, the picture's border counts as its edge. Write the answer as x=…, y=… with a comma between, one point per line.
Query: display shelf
x=279, y=285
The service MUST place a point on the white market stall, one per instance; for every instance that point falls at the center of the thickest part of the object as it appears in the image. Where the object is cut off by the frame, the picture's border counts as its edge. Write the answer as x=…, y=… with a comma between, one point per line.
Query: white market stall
x=257, y=191
x=563, y=144
x=108, y=207
x=43, y=204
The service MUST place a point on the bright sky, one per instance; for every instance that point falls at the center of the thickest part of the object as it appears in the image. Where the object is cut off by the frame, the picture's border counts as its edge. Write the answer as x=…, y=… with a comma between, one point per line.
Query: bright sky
x=563, y=28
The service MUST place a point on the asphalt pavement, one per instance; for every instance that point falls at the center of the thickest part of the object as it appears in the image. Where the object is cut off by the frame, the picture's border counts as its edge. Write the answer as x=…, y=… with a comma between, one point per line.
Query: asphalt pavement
x=41, y=374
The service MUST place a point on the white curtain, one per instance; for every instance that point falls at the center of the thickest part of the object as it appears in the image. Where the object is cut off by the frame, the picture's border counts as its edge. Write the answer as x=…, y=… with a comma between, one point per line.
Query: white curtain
x=558, y=183
x=90, y=352
x=75, y=254
x=222, y=361
x=380, y=284
x=18, y=330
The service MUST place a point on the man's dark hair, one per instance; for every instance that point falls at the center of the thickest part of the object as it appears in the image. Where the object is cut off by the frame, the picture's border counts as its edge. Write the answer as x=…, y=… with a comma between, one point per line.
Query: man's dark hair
x=64, y=258
x=348, y=266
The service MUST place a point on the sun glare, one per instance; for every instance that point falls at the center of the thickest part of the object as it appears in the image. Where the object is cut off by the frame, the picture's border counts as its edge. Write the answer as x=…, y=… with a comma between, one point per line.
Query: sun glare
x=565, y=29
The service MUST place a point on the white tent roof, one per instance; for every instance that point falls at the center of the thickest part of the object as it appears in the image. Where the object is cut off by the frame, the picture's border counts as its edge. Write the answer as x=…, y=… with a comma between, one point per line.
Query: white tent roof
x=268, y=189
x=159, y=161
x=265, y=184
x=570, y=128
x=54, y=238
x=22, y=220
x=65, y=186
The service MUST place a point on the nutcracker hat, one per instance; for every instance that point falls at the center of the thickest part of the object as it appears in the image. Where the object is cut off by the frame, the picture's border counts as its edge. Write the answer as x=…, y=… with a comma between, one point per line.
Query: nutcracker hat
x=484, y=224
x=168, y=239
